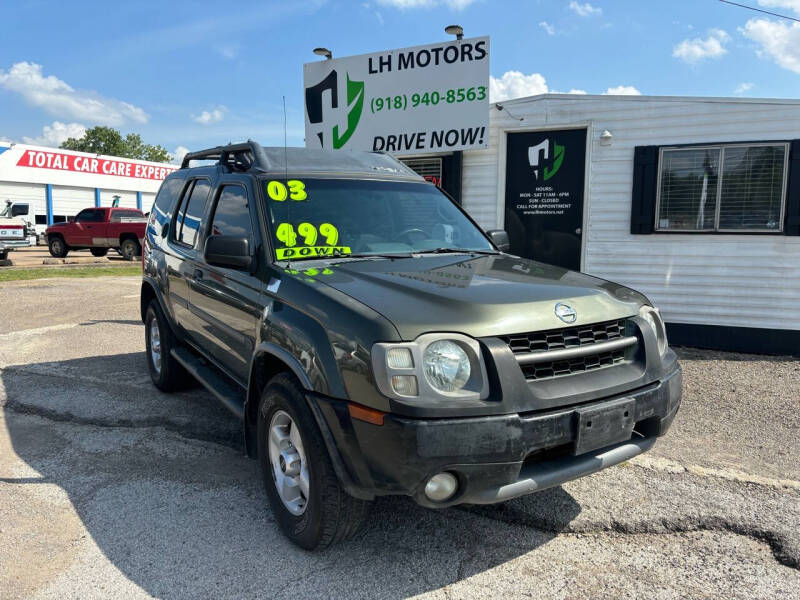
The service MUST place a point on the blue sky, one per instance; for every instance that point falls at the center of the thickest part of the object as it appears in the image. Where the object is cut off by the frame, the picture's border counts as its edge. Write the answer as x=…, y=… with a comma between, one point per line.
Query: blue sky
x=190, y=74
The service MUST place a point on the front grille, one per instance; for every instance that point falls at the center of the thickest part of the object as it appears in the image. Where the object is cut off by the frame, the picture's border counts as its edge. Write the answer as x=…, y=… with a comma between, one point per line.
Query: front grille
x=538, y=342
x=571, y=337
x=557, y=368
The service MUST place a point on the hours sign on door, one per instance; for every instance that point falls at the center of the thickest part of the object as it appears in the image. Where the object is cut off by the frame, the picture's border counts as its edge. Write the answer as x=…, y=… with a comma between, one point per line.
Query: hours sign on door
x=411, y=100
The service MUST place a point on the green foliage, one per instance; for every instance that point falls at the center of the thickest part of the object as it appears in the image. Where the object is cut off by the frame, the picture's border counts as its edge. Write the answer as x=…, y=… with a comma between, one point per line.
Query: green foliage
x=46, y=272
x=105, y=140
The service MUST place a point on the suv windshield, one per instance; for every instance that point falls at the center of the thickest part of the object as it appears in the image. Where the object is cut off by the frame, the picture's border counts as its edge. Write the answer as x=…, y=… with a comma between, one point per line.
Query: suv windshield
x=310, y=218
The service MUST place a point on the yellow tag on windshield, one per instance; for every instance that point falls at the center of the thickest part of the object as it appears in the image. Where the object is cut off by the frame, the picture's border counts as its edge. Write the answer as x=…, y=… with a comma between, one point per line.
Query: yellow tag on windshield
x=311, y=251
x=277, y=190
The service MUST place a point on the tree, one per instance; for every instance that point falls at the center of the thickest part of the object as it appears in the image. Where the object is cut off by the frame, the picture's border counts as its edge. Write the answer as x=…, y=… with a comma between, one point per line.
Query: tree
x=105, y=140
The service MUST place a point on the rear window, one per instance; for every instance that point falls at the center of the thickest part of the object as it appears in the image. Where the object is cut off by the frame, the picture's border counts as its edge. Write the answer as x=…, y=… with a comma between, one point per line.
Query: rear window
x=121, y=214
x=164, y=200
x=189, y=220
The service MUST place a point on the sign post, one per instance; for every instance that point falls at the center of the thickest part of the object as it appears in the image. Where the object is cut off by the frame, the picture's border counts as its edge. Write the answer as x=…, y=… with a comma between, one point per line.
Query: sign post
x=417, y=100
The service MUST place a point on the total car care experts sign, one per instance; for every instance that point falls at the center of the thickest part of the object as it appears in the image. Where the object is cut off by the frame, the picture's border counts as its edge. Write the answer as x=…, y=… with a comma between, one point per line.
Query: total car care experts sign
x=42, y=159
x=409, y=101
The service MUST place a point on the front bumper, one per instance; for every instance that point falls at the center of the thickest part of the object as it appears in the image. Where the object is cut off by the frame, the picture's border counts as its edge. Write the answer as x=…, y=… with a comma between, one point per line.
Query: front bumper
x=13, y=244
x=495, y=458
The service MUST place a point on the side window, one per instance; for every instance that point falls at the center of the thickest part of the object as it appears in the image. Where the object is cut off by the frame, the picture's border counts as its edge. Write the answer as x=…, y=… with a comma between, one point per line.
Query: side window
x=169, y=190
x=189, y=220
x=89, y=215
x=232, y=213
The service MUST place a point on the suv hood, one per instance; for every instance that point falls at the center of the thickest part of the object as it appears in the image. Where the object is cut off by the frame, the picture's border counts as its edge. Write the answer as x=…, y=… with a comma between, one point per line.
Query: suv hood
x=478, y=296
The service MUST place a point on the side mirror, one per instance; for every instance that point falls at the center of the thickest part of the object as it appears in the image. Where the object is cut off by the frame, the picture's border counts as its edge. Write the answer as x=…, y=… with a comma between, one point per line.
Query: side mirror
x=229, y=251
x=500, y=239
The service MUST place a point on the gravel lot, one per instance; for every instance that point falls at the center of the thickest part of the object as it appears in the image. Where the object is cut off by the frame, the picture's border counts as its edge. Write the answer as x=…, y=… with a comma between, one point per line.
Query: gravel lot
x=110, y=489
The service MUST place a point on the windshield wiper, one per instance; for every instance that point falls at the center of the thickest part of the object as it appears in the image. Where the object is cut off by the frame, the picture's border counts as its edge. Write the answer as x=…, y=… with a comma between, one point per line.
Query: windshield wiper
x=372, y=255
x=445, y=250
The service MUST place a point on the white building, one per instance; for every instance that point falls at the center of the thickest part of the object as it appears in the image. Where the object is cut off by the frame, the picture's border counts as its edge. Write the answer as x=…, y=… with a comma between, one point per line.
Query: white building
x=59, y=183
x=693, y=201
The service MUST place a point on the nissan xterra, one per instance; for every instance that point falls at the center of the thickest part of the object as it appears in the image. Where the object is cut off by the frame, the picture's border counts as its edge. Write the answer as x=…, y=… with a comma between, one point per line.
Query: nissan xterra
x=374, y=340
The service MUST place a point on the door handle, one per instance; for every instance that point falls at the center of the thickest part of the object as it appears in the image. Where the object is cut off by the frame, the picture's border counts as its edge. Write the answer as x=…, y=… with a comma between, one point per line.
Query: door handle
x=198, y=274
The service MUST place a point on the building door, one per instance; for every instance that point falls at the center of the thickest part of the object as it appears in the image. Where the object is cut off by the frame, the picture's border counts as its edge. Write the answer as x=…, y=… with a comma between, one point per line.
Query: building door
x=545, y=173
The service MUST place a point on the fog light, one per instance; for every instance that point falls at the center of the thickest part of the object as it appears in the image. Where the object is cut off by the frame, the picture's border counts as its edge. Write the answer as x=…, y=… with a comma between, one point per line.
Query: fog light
x=441, y=486
x=405, y=385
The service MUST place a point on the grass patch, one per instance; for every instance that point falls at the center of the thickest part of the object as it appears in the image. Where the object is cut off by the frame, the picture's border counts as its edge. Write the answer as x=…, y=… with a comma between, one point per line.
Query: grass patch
x=41, y=273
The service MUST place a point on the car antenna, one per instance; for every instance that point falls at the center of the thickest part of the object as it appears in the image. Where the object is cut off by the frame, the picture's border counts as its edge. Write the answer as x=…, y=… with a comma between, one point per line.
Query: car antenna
x=286, y=175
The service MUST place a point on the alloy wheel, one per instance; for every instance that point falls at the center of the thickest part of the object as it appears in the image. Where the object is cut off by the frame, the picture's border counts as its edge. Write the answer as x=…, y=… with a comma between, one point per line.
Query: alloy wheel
x=288, y=459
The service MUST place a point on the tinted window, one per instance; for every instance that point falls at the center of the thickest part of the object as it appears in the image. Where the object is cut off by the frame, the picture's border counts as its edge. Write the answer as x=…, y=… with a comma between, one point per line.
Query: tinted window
x=90, y=215
x=164, y=200
x=192, y=213
x=121, y=214
x=232, y=214
x=310, y=218
x=41, y=219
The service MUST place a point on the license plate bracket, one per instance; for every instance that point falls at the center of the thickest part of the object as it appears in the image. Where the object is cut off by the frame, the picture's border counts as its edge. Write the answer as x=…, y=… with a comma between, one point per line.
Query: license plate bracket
x=599, y=426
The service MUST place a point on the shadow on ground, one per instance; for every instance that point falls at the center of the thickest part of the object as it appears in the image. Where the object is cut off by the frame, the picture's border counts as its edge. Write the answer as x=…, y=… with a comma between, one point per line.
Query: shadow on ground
x=162, y=487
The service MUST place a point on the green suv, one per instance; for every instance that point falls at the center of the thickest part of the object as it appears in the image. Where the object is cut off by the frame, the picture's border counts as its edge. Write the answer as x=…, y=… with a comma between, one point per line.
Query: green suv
x=373, y=340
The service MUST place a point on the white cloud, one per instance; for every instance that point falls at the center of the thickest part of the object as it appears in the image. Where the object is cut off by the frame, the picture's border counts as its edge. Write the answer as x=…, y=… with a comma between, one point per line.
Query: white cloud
x=622, y=90
x=60, y=100
x=53, y=135
x=178, y=154
x=215, y=115
x=777, y=40
x=790, y=4
x=515, y=84
x=412, y=4
x=585, y=9
x=548, y=28
x=692, y=51
x=743, y=87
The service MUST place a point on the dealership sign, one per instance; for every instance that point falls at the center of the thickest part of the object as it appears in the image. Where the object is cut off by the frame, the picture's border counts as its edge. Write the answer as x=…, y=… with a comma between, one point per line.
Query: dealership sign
x=42, y=159
x=413, y=100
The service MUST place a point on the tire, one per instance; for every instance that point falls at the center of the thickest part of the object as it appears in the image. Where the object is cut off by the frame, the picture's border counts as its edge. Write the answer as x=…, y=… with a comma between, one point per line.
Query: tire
x=130, y=249
x=58, y=247
x=167, y=373
x=328, y=514
x=98, y=252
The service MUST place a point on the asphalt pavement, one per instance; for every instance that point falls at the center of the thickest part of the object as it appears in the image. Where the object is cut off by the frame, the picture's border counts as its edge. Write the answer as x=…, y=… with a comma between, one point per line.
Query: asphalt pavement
x=111, y=489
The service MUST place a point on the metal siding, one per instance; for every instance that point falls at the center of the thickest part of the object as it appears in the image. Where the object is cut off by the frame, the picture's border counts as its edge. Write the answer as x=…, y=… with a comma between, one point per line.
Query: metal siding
x=147, y=201
x=127, y=199
x=69, y=201
x=731, y=280
x=32, y=193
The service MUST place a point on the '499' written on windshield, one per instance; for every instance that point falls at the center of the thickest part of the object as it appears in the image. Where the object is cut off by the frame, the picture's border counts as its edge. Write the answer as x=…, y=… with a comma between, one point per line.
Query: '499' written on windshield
x=316, y=218
x=310, y=235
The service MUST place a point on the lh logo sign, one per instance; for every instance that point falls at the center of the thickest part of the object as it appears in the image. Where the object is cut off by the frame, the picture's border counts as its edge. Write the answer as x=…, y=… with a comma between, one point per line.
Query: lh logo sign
x=541, y=152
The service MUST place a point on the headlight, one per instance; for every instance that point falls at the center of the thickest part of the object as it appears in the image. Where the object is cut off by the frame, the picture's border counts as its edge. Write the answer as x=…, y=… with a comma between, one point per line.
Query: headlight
x=653, y=318
x=435, y=366
x=446, y=366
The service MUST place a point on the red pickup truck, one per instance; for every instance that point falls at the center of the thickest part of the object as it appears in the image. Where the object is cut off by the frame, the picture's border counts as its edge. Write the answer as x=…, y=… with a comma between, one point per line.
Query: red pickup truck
x=99, y=229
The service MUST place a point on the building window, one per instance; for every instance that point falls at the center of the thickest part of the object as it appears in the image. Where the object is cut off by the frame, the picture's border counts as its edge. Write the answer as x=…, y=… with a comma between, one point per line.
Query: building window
x=727, y=188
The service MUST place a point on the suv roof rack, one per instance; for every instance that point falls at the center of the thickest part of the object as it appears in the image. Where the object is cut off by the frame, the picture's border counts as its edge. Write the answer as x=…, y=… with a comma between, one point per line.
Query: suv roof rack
x=251, y=156
x=242, y=156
